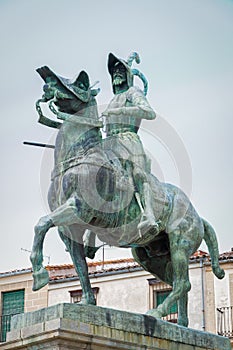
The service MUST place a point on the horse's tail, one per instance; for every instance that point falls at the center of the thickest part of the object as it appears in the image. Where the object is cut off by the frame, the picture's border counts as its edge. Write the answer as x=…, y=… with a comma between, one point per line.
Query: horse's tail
x=212, y=244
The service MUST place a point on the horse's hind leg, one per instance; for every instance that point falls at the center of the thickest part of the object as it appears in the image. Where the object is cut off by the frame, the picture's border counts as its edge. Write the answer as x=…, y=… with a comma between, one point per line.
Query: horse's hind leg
x=159, y=266
x=76, y=250
x=172, y=269
x=181, y=286
x=182, y=310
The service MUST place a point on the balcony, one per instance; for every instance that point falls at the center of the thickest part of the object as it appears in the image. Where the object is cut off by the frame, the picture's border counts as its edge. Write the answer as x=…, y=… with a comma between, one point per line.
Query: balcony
x=173, y=317
x=5, y=326
x=225, y=321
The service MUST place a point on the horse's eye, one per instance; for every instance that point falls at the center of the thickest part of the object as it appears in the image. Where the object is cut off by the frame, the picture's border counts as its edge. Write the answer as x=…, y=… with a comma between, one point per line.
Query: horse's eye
x=46, y=87
x=82, y=86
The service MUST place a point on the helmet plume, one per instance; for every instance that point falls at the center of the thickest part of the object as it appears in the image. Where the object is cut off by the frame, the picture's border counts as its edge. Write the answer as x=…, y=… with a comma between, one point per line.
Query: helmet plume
x=133, y=56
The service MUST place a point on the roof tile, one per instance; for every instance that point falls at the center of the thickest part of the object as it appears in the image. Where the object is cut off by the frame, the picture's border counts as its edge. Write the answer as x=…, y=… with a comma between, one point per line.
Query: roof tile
x=67, y=270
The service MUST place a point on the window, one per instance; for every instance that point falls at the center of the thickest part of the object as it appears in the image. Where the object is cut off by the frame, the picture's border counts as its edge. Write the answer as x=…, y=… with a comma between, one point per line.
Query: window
x=12, y=304
x=159, y=291
x=76, y=295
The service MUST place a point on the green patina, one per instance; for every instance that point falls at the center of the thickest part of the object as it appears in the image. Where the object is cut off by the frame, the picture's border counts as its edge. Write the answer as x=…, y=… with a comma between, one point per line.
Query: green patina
x=104, y=185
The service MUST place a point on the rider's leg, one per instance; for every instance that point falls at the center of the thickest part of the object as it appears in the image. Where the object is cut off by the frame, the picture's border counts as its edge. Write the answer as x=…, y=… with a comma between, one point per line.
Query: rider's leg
x=148, y=219
x=149, y=214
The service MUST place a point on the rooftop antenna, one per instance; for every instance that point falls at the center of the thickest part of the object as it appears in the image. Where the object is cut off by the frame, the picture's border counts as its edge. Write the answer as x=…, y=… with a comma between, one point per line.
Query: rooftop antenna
x=29, y=251
x=103, y=257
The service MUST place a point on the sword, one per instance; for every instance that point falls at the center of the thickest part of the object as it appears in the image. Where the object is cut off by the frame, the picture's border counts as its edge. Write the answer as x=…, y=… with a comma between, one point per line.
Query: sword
x=45, y=145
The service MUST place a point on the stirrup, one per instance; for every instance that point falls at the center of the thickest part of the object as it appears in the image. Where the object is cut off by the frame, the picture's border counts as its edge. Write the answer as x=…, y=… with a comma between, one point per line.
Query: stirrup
x=146, y=225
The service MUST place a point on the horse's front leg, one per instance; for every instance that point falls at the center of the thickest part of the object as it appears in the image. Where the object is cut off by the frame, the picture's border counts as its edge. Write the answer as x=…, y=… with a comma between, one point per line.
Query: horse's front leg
x=89, y=244
x=40, y=274
x=76, y=249
x=65, y=214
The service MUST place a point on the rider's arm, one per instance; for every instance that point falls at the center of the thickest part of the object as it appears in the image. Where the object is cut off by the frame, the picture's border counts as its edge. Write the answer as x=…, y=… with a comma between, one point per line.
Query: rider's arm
x=138, y=108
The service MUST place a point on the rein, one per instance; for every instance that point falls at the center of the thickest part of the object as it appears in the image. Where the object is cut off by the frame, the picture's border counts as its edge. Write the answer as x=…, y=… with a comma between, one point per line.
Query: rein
x=62, y=167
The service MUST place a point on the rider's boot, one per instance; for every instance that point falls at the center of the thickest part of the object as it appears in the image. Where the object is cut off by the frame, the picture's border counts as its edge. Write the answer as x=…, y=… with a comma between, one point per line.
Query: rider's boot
x=148, y=220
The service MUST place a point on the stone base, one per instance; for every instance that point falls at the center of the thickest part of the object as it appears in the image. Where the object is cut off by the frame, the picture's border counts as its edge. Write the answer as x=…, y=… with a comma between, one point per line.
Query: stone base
x=73, y=326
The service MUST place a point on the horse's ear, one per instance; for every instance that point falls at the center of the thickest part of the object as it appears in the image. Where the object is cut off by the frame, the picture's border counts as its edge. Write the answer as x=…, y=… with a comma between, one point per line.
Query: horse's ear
x=45, y=72
x=83, y=78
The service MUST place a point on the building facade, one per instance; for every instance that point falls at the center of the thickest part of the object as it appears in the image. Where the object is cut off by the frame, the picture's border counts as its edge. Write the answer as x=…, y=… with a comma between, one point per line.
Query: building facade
x=122, y=284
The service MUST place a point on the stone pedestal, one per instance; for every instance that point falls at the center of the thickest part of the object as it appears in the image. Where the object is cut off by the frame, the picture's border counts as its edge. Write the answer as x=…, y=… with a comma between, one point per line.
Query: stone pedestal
x=72, y=326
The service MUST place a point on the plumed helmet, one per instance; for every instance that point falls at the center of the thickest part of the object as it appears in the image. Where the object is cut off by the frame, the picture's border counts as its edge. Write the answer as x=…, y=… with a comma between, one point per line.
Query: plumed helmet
x=113, y=60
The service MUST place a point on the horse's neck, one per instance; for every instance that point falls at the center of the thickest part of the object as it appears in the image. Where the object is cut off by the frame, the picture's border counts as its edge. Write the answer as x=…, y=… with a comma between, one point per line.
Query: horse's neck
x=74, y=138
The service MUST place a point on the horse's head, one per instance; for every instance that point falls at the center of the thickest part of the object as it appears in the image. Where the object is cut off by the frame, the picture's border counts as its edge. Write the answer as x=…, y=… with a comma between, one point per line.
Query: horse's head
x=69, y=96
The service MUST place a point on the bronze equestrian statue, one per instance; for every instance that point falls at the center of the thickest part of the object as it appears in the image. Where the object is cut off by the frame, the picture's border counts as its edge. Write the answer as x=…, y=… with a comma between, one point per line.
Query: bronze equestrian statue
x=105, y=185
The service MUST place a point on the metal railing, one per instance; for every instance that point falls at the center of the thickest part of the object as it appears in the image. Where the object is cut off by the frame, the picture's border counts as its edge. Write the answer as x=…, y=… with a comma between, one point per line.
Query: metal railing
x=171, y=317
x=225, y=321
x=5, y=326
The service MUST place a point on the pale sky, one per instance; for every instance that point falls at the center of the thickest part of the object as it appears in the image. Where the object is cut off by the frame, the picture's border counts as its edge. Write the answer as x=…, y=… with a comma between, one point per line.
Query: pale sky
x=186, y=50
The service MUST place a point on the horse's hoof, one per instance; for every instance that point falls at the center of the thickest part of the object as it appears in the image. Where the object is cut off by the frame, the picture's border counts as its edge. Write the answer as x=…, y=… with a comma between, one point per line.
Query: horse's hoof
x=183, y=321
x=90, y=251
x=219, y=273
x=155, y=313
x=87, y=301
x=40, y=279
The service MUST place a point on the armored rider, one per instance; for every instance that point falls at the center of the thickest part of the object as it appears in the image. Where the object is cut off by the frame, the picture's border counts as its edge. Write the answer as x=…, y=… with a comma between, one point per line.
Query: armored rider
x=123, y=117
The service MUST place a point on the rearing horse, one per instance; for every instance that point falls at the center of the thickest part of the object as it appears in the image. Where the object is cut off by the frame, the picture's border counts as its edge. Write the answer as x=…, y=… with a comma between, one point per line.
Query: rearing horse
x=91, y=189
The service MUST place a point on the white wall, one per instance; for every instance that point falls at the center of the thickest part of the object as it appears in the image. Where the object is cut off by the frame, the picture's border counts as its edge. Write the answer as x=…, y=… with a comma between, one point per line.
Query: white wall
x=222, y=290
x=195, y=298
x=125, y=291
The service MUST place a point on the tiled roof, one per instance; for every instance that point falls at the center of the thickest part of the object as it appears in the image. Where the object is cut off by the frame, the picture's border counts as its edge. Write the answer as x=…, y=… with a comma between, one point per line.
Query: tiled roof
x=59, y=267
x=197, y=255
x=95, y=264
x=226, y=255
x=95, y=268
x=15, y=272
x=63, y=271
